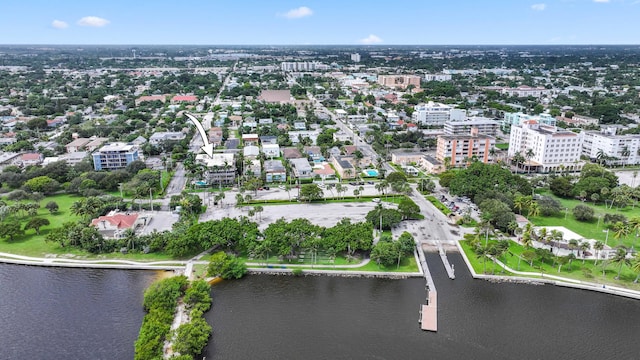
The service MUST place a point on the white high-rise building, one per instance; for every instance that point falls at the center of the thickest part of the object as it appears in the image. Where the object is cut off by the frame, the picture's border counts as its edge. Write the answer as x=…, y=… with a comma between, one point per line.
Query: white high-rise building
x=355, y=57
x=617, y=149
x=551, y=149
x=431, y=113
x=300, y=66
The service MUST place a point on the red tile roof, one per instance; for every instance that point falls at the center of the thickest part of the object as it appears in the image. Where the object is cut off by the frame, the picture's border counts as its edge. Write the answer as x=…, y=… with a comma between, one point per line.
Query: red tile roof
x=185, y=98
x=30, y=157
x=121, y=221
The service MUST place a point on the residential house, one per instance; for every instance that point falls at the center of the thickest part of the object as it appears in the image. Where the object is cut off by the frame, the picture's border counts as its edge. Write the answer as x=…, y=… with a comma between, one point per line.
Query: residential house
x=268, y=139
x=115, y=224
x=159, y=138
x=291, y=153
x=190, y=99
x=250, y=139
x=274, y=171
x=271, y=150
x=77, y=145
x=251, y=151
x=406, y=158
x=95, y=143
x=301, y=168
x=343, y=167
x=29, y=159
x=215, y=136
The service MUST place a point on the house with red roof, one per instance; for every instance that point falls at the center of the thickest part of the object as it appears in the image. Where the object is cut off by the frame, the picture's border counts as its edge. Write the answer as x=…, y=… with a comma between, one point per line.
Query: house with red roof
x=184, y=99
x=29, y=159
x=114, y=224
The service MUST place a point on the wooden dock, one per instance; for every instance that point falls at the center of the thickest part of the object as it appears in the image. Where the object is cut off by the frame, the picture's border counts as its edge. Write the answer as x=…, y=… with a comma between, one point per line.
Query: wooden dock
x=429, y=313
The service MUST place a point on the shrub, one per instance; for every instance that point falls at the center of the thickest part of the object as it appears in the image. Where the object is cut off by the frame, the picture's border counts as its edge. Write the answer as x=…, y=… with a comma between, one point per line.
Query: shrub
x=583, y=213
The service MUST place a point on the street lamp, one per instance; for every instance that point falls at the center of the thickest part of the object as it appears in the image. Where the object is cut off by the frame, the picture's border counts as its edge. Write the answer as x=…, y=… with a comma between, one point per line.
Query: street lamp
x=566, y=212
x=607, y=237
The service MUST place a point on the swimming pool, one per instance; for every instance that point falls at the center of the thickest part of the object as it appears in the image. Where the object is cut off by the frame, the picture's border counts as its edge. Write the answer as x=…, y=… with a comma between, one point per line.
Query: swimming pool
x=201, y=183
x=370, y=172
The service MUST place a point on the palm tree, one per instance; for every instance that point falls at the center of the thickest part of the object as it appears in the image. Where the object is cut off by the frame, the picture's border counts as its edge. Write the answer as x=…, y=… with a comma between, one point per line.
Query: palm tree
x=287, y=188
x=635, y=266
x=528, y=155
x=482, y=252
x=542, y=235
x=570, y=257
x=258, y=210
x=521, y=202
x=573, y=244
x=625, y=154
x=598, y=246
x=534, y=209
x=601, y=157
x=620, y=258
x=584, y=246
x=634, y=224
x=620, y=230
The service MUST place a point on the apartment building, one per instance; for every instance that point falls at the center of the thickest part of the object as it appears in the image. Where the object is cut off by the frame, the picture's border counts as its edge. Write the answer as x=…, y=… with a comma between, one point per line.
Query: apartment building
x=303, y=66
x=553, y=149
x=437, y=77
x=160, y=137
x=115, y=156
x=519, y=118
x=399, y=81
x=221, y=168
x=485, y=126
x=431, y=114
x=526, y=91
x=460, y=150
x=355, y=57
x=617, y=149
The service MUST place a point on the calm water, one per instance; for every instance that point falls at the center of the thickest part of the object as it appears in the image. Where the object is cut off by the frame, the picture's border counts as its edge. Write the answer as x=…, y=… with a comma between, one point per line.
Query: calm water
x=269, y=317
x=57, y=313
x=50, y=313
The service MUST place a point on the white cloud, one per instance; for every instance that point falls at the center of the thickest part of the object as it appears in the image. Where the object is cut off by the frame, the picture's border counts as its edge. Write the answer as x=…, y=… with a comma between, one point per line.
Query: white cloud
x=300, y=12
x=93, y=21
x=601, y=1
x=538, y=7
x=59, y=24
x=371, y=39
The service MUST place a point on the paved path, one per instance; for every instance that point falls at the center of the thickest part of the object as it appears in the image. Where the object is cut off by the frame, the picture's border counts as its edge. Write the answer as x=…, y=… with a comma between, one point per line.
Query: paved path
x=360, y=264
x=99, y=263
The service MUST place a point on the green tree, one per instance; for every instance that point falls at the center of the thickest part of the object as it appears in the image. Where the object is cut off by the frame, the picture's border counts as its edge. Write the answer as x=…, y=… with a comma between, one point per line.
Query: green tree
x=408, y=209
x=36, y=223
x=619, y=258
x=42, y=184
x=583, y=213
x=52, y=206
x=192, y=337
x=11, y=231
x=310, y=192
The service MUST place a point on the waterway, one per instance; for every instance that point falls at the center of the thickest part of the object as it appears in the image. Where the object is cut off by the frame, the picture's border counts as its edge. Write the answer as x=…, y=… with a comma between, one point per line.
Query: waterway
x=61, y=313
x=58, y=313
x=279, y=317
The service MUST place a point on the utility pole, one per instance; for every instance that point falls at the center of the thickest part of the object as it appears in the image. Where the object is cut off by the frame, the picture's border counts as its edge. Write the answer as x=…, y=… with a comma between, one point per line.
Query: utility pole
x=151, y=198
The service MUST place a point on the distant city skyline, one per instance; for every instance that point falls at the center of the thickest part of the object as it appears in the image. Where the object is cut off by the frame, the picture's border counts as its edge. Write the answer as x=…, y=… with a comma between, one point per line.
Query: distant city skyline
x=314, y=22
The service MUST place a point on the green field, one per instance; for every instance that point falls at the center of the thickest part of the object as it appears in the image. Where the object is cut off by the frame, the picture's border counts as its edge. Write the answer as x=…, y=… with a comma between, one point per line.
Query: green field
x=34, y=245
x=589, y=230
x=407, y=264
x=589, y=271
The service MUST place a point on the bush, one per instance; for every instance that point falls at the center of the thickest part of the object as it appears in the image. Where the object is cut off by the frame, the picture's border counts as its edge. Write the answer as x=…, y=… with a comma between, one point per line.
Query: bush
x=583, y=213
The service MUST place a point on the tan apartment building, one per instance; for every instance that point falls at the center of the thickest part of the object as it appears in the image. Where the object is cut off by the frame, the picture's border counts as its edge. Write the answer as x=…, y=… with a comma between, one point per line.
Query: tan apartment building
x=399, y=81
x=460, y=150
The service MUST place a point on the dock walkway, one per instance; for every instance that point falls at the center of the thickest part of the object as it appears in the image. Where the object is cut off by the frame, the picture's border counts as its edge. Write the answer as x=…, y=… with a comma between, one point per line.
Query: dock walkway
x=429, y=312
x=447, y=266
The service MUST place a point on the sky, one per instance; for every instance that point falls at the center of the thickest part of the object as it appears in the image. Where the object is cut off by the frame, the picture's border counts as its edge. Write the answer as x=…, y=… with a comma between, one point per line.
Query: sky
x=315, y=22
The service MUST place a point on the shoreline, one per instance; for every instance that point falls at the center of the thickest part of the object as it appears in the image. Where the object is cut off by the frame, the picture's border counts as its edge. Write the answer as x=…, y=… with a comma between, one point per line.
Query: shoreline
x=551, y=280
x=180, y=266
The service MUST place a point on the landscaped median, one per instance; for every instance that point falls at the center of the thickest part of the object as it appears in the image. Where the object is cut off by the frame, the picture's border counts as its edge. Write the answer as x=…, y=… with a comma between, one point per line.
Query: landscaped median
x=512, y=266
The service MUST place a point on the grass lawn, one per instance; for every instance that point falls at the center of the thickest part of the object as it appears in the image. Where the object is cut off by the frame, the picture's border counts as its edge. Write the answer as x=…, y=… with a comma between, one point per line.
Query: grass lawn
x=407, y=264
x=588, y=271
x=502, y=146
x=34, y=245
x=445, y=210
x=589, y=230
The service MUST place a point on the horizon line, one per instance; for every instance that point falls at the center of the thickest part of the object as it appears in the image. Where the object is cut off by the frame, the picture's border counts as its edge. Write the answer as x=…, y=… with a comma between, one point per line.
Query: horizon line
x=302, y=45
